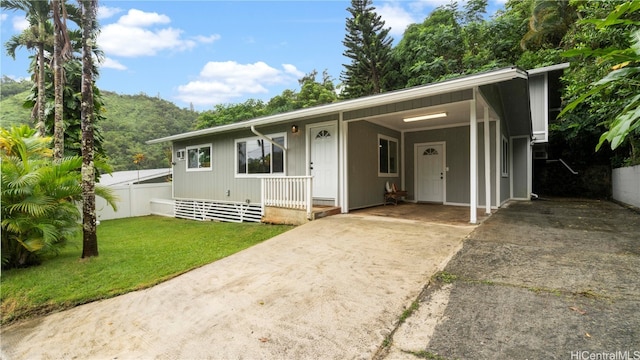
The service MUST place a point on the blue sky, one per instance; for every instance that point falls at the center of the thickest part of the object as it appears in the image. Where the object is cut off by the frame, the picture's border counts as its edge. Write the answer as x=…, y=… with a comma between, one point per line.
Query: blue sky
x=214, y=52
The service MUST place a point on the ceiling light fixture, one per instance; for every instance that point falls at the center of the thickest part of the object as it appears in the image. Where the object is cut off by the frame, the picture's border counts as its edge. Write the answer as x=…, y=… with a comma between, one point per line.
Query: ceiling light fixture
x=426, y=117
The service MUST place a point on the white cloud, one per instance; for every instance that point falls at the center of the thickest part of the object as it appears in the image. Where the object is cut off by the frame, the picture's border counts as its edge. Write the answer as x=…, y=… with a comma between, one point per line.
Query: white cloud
x=3, y=17
x=395, y=17
x=429, y=5
x=222, y=82
x=137, y=18
x=109, y=63
x=131, y=36
x=291, y=69
x=105, y=12
x=207, y=39
x=20, y=23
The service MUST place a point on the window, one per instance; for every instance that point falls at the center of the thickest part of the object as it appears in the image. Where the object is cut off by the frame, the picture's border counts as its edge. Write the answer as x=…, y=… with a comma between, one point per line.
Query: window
x=505, y=157
x=388, y=156
x=259, y=156
x=180, y=155
x=199, y=158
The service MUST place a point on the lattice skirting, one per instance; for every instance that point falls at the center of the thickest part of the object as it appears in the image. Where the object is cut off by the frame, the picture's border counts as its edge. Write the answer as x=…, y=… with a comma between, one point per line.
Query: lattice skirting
x=217, y=210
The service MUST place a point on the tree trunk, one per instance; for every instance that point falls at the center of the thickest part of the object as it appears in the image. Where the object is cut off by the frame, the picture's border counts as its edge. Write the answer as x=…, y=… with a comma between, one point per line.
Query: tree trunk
x=40, y=82
x=58, y=132
x=89, y=236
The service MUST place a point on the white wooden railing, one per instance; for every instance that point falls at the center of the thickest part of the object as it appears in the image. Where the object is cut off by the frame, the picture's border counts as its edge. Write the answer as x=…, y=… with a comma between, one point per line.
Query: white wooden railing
x=291, y=192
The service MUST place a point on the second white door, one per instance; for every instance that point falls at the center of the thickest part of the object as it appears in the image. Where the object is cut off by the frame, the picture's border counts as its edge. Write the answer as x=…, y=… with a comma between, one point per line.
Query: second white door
x=430, y=172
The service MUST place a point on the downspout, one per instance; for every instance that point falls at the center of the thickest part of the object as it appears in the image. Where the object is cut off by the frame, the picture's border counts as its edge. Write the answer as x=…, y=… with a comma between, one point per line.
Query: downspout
x=262, y=136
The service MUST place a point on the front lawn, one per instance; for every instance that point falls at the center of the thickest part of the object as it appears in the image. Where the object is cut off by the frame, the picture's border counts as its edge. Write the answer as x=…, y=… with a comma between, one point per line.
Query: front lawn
x=135, y=253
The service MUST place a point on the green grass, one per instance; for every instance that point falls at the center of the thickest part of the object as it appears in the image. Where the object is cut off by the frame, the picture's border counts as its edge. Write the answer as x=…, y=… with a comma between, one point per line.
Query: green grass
x=135, y=253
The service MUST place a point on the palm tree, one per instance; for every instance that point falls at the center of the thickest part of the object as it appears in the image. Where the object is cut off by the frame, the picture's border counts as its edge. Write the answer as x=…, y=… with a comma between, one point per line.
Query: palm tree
x=36, y=37
x=89, y=29
x=39, y=197
x=62, y=52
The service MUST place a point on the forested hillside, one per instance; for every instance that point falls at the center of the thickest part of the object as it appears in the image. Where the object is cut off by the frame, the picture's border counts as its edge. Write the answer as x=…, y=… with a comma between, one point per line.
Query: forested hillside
x=130, y=120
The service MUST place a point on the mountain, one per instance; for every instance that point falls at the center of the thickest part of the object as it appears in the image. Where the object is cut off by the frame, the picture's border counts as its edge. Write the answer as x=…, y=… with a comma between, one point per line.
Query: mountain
x=130, y=120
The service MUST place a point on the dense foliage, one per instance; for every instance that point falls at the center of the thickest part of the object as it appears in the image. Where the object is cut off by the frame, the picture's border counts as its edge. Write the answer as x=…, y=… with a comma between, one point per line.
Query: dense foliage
x=131, y=120
x=609, y=44
x=10, y=87
x=39, y=197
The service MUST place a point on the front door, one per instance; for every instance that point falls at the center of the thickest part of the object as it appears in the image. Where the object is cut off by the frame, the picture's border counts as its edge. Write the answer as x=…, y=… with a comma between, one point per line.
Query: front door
x=324, y=160
x=430, y=172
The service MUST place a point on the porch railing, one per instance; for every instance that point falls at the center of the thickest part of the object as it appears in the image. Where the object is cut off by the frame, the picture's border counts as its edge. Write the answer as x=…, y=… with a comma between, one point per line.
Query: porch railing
x=290, y=192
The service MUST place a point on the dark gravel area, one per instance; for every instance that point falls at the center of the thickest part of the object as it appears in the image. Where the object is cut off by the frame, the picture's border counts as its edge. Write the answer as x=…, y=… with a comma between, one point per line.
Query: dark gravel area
x=547, y=279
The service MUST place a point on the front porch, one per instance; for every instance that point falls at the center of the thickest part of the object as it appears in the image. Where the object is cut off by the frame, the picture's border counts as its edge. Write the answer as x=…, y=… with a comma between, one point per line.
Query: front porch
x=289, y=200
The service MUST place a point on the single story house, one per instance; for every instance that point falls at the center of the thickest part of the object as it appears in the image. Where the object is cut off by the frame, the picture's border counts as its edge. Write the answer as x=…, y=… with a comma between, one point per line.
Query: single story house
x=467, y=141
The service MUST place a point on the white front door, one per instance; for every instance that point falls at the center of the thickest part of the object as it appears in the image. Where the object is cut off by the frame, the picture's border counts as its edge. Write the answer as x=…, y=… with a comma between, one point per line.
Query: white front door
x=324, y=160
x=430, y=172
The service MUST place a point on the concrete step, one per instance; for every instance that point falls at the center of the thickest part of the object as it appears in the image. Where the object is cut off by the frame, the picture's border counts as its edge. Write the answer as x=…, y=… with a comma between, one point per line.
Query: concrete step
x=319, y=212
x=274, y=215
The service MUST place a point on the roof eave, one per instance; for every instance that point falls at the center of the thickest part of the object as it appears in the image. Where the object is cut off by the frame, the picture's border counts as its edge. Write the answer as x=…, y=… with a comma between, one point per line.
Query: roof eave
x=547, y=69
x=354, y=104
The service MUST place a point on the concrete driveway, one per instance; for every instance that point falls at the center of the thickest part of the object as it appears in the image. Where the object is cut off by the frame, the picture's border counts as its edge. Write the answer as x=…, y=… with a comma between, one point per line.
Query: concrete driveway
x=330, y=289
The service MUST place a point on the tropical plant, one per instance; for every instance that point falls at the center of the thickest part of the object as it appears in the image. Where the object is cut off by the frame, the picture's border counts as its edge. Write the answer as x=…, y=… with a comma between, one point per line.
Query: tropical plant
x=39, y=197
x=621, y=84
x=71, y=86
x=35, y=37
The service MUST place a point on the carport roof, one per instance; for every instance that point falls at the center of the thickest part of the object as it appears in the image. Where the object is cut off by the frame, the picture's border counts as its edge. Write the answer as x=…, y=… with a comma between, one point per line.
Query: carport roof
x=462, y=83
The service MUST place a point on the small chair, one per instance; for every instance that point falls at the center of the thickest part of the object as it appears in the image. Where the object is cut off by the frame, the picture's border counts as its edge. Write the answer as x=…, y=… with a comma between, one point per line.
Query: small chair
x=392, y=194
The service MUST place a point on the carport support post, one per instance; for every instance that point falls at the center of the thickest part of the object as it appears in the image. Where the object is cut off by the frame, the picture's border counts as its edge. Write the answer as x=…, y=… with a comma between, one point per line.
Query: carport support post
x=487, y=163
x=473, y=160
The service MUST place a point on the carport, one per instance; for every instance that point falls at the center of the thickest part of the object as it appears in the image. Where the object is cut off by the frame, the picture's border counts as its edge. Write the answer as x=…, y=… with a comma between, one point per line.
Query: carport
x=463, y=142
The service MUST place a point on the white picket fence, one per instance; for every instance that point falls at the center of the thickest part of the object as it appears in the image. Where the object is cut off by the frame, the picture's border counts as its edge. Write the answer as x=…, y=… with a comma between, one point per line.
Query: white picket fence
x=137, y=200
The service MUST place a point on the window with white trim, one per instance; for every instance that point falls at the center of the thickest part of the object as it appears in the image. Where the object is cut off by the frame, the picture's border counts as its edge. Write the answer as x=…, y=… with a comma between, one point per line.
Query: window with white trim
x=255, y=156
x=199, y=157
x=387, y=156
x=505, y=157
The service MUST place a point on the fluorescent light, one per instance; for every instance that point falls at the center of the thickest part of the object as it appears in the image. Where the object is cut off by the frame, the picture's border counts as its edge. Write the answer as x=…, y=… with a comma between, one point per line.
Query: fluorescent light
x=426, y=117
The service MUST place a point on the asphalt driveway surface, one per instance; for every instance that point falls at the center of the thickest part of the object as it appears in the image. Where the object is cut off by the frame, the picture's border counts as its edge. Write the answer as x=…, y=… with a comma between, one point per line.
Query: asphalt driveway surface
x=330, y=289
x=557, y=279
